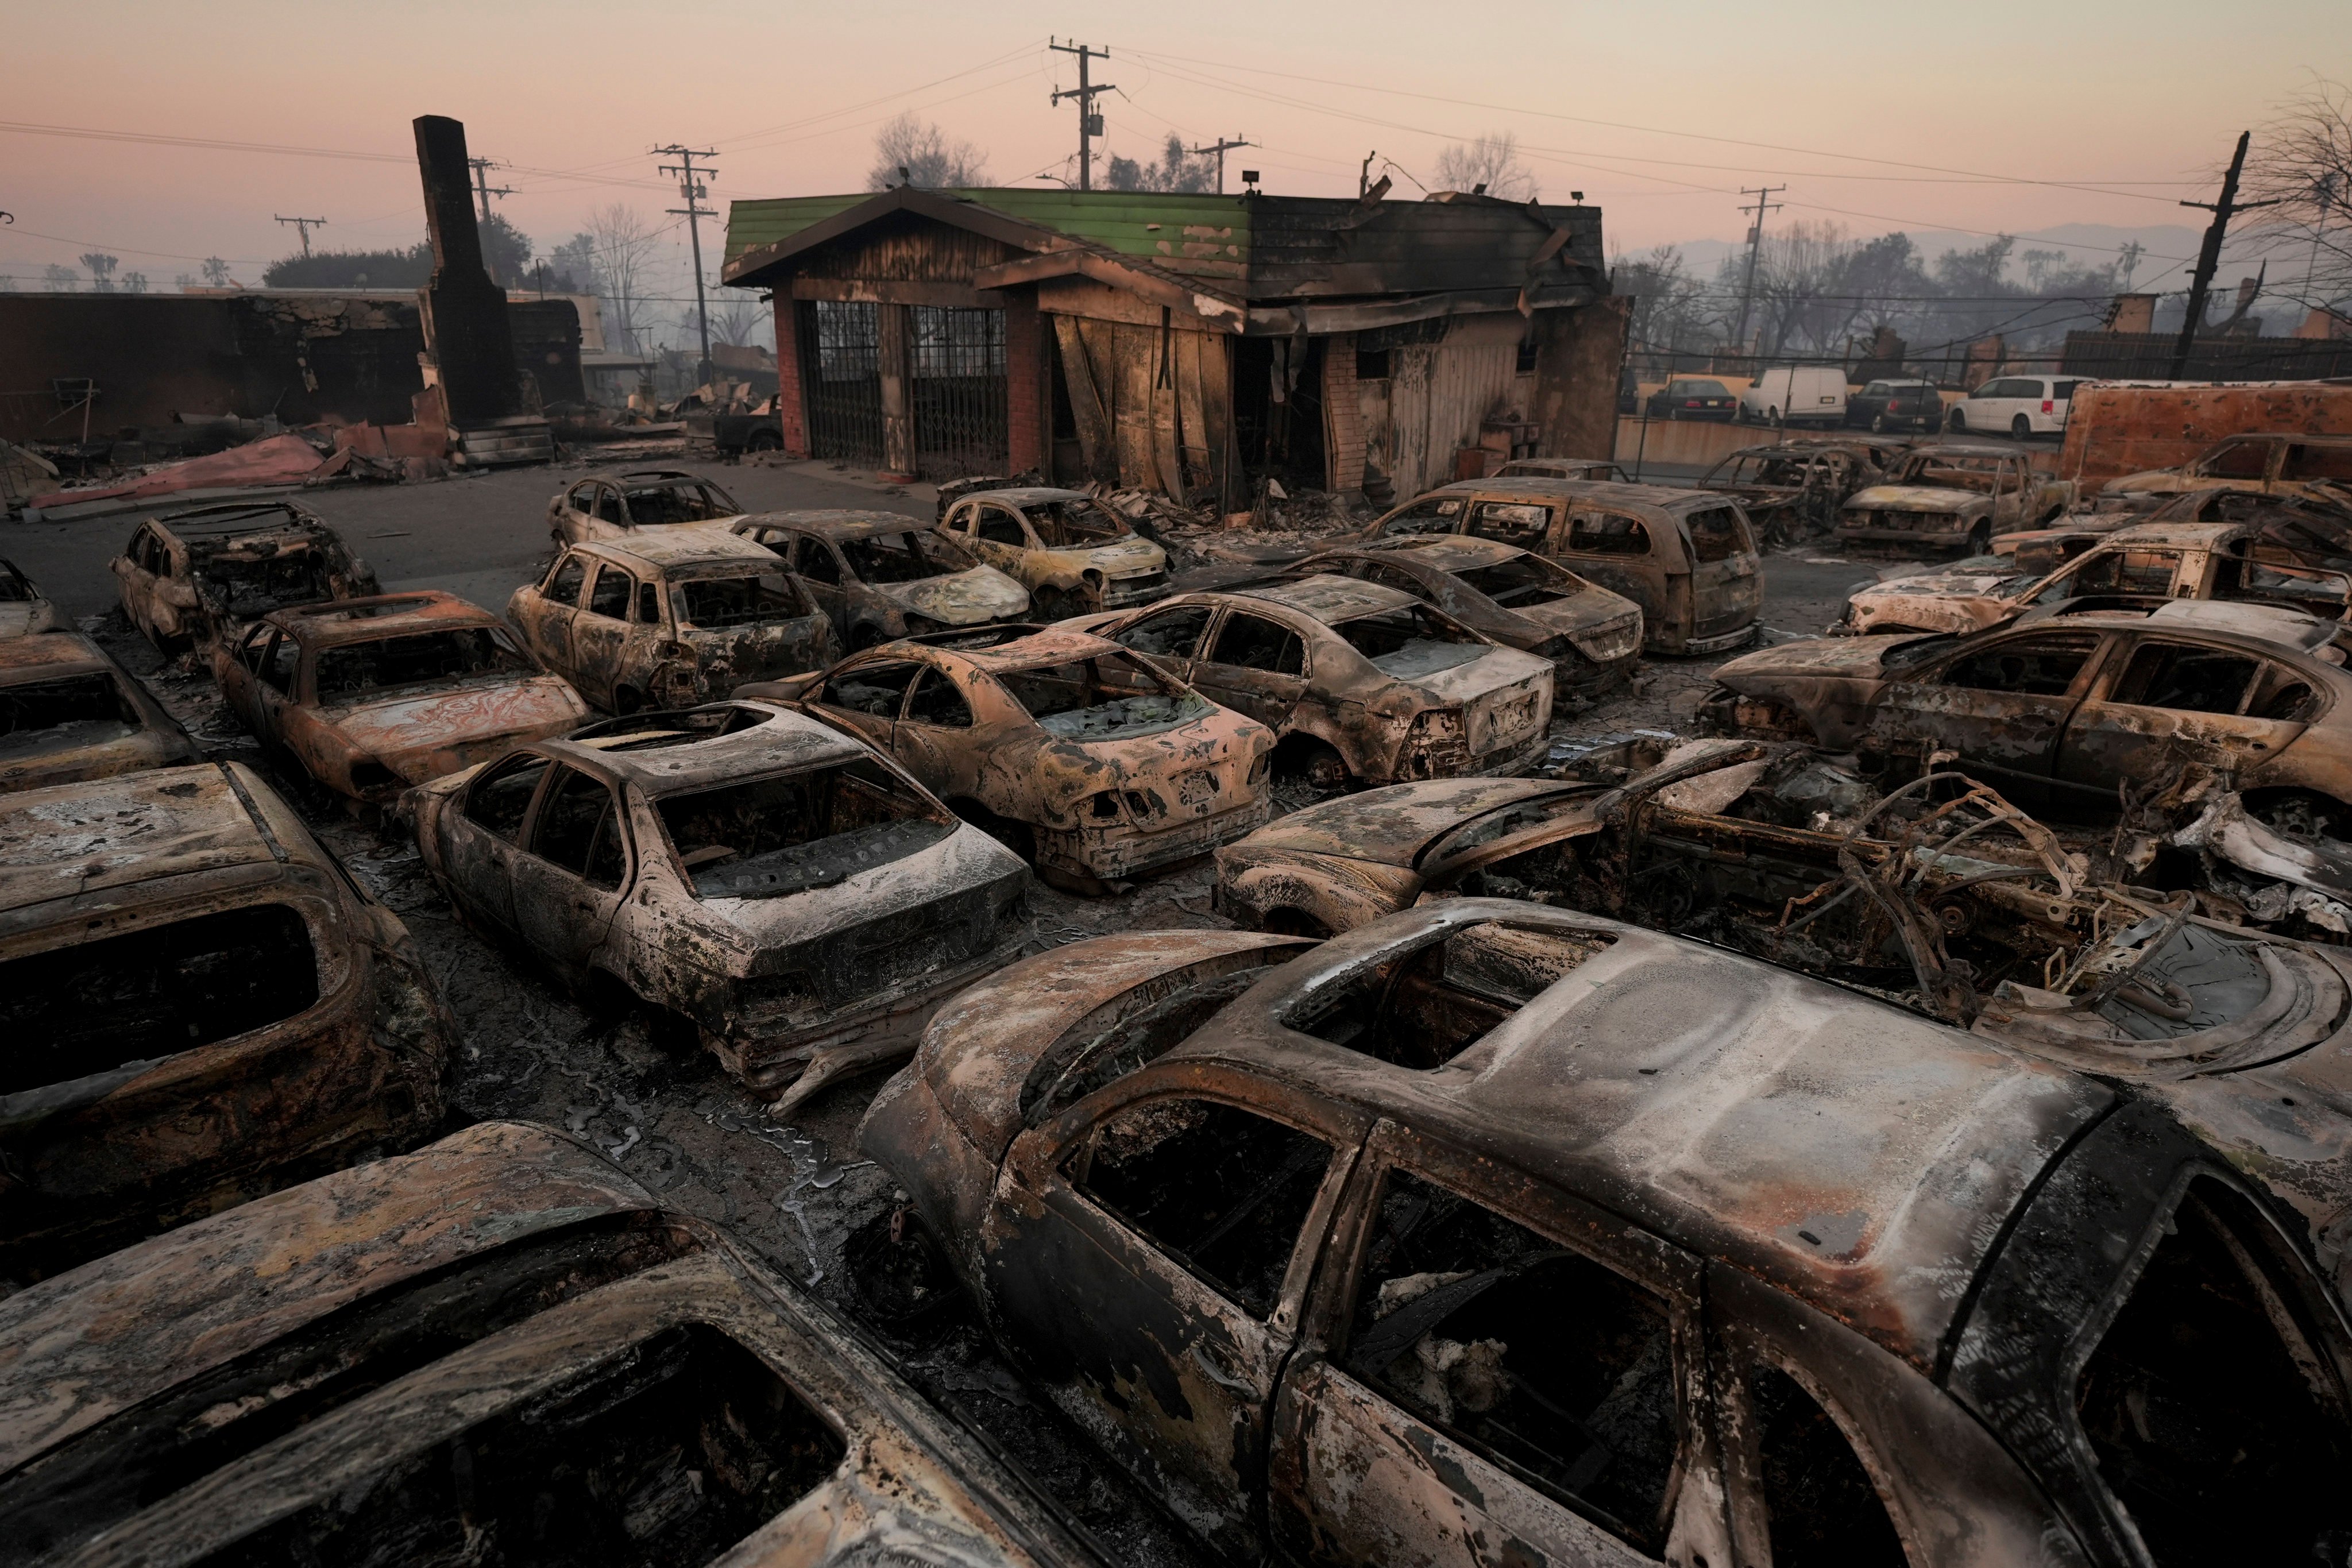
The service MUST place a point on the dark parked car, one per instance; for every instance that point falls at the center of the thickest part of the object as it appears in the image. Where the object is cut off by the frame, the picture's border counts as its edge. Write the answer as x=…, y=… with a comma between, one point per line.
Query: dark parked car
x=1488, y=1223
x=1688, y=399
x=1885, y=405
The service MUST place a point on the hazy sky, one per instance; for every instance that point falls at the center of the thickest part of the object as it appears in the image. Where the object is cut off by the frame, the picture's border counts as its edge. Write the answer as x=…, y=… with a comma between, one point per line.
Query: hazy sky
x=1946, y=114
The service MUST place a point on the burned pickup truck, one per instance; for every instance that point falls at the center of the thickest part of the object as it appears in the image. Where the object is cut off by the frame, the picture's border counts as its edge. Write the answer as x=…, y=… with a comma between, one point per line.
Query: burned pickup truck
x=190, y=577
x=198, y=1005
x=799, y=899
x=1492, y=1221
x=498, y=1349
x=1953, y=497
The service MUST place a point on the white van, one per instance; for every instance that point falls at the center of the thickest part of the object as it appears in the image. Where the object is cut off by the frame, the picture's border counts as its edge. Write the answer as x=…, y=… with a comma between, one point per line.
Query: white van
x=1805, y=395
x=2019, y=406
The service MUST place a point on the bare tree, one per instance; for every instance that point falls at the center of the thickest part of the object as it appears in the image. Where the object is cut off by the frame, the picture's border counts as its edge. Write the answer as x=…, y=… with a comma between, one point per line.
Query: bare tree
x=59, y=280
x=102, y=270
x=1492, y=161
x=134, y=283
x=908, y=150
x=1176, y=170
x=1671, y=313
x=622, y=241
x=2302, y=160
x=738, y=320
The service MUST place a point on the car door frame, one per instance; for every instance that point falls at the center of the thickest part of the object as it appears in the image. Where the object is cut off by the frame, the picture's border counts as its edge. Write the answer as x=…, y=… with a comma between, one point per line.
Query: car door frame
x=499, y=853
x=1241, y=698
x=1667, y=616
x=1442, y=1464
x=2023, y=787
x=2270, y=737
x=1032, y=1188
x=538, y=885
x=1167, y=664
x=598, y=655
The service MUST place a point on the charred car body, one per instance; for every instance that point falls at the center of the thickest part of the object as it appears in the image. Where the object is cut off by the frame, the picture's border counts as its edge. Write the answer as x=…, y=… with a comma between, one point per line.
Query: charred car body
x=1073, y=751
x=668, y=620
x=498, y=1348
x=2133, y=568
x=200, y=1006
x=798, y=898
x=188, y=578
x=370, y=696
x=1357, y=681
x=641, y=498
x=69, y=711
x=1562, y=468
x=880, y=575
x=1071, y=551
x=1686, y=557
x=24, y=608
x=1953, y=496
x=2281, y=463
x=1792, y=490
x=1522, y=600
x=1490, y=1220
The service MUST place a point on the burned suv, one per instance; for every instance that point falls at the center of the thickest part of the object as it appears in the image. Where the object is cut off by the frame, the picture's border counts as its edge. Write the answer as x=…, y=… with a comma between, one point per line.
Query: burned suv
x=1488, y=1222
x=189, y=577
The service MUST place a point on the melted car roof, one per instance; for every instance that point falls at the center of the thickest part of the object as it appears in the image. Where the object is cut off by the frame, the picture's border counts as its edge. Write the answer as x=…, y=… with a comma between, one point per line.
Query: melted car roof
x=667, y=550
x=785, y=738
x=74, y=839
x=45, y=655
x=838, y=524
x=1329, y=598
x=336, y=621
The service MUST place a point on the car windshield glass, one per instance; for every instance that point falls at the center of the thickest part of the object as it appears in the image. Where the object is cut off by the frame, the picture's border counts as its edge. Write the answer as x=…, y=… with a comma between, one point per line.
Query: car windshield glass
x=1109, y=696
x=811, y=829
x=1061, y=523
x=463, y=654
x=54, y=715
x=1411, y=642
x=711, y=603
x=690, y=502
x=1522, y=581
x=250, y=588
x=903, y=557
x=13, y=587
x=1715, y=535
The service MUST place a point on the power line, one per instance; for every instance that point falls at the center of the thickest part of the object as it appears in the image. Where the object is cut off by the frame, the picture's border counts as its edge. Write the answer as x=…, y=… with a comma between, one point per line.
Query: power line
x=1090, y=123
x=306, y=224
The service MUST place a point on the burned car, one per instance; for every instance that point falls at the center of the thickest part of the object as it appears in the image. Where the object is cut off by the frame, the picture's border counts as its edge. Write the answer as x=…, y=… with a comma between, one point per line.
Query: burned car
x=1561, y=468
x=1488, y=1221
x=190, y=577
x=798, y=898
x=1071, y=551
x=200, y=1006
x=668, y=620
x=69, y=711
x=642, y=497
x=880, y=575
x=2063, y=714
x=368, y=696
x=2289, y=463
x=498, y=1349
x=1951, y=496
x=1522, y=600
x=1358, y=681
x=1081, y=757
x=2133, y=568
x=1688, y=557
x=24, y=608
x=1791, y=492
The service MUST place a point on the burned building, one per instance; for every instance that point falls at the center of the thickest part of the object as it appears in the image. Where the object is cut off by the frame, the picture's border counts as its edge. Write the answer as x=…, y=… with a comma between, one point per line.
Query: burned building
x=1195, y=344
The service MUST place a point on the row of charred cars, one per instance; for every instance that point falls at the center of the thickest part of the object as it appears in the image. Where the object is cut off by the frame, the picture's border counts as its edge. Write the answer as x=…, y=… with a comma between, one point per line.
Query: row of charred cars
x=1772, y=1151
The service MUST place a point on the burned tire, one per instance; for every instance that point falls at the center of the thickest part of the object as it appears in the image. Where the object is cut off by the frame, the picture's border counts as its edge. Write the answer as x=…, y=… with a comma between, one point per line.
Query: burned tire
x=628, y=700
x=1956, y=423
x=1017, y=836
x=1313, y=763
x=765, y=441
x=1979, y=540
x=901, y=1277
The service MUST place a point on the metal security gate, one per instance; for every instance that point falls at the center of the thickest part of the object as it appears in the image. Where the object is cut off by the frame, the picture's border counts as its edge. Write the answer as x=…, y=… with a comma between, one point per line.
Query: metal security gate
x=958, y=392
x=841, y=378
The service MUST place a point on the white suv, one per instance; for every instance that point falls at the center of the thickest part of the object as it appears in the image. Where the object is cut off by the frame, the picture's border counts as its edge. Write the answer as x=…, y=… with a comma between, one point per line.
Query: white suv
x=2019, y=406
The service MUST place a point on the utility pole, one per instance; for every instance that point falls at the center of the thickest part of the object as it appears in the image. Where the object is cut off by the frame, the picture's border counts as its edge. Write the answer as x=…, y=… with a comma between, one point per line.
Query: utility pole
x=1755, y=246
x=1364, y=174
x=1222, y=146
x=1090, y=124
x=306, y=224
x=2208, y=255
x=482, y=167
x=693, y=212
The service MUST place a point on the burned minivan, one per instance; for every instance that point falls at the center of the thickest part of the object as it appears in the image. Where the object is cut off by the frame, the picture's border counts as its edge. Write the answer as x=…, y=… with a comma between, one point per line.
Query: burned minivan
x=498, y=1349
x=188, y=577
x=197, y=1004
x=1488, y=1221
x=798, y=898
x=69, y=711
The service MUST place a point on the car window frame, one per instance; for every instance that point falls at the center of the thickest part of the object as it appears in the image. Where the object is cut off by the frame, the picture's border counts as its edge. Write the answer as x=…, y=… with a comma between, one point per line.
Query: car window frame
x=1214, y=633
x=527, y=835
x=525, y=823
x=2086, y=679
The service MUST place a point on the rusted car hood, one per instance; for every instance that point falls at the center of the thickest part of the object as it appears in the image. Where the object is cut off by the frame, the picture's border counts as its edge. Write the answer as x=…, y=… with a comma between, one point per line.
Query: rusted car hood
x=1963, y=600
x=1124, y=558
x=1391, y=826
x=1599, y=624
x=1916, y=498
x=435, y=733
x=1851, y=658
x=97, y=749
x=962, y=598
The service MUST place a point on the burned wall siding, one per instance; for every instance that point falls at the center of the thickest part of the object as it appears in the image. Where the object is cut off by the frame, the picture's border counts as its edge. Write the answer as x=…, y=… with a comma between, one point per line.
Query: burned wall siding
x=1343, y=417
x=898, y=248
x=1577, y=356
x=1441, y=392
x=1152, y=403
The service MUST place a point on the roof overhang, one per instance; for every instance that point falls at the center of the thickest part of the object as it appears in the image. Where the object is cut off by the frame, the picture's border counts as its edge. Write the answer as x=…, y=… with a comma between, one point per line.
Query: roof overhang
x=763, y=265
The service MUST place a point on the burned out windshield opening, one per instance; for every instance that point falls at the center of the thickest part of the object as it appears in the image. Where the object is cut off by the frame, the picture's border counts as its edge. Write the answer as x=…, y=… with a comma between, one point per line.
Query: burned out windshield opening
x=1411, y=642
x=1061, y=524
x=251, y=588
x=1718, y=533
x=13, y=586
x=75, y=709
x=909, y=557
x=654, y=732
x=420, y=659
x=1420, y=1009
x=1523, y=580
x=658, y=504
x=1103, y=697
x=713, y=603
x=787, y=834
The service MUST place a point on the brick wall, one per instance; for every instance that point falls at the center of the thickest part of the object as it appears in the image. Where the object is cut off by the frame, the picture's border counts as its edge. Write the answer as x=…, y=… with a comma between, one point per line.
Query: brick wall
x=792, y=412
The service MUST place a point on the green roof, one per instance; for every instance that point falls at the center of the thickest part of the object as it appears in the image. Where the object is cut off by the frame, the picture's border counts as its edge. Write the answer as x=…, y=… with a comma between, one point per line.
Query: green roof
x=1205, y=235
